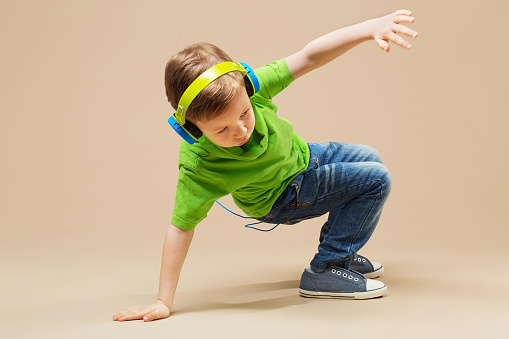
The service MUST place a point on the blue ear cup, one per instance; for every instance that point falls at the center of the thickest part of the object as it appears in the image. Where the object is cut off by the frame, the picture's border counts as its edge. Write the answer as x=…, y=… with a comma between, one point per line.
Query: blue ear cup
x=187, y=130
x=182, y=132
x=252, y=83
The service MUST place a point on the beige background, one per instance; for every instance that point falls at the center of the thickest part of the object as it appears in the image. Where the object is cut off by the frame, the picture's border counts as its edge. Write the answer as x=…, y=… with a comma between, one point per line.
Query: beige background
x=89, y=168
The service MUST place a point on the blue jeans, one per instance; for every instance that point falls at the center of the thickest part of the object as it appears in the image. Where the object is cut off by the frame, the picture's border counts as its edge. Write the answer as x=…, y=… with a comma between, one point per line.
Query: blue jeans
x=349, y=182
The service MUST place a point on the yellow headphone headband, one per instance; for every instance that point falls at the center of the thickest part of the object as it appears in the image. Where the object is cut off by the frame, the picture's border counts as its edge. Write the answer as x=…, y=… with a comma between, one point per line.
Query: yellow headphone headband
x=200, y=83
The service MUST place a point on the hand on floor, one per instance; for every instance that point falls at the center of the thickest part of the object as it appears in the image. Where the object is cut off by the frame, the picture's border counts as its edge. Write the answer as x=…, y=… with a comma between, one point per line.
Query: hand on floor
x=157, y=310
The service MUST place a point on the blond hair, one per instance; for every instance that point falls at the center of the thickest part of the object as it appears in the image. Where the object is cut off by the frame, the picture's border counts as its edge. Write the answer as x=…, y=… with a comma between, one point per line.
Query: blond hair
x=186, y=66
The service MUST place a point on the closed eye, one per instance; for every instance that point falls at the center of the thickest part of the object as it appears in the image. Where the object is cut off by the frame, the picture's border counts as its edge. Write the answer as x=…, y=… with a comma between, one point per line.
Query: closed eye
x=224, y=129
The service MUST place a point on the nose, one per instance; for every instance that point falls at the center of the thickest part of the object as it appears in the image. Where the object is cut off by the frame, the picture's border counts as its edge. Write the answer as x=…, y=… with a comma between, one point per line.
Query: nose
x=241, y=130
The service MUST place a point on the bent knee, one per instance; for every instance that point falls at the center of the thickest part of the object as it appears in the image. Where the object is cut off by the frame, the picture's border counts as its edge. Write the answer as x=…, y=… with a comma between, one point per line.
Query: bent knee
x=373, y=154
x=383, y=176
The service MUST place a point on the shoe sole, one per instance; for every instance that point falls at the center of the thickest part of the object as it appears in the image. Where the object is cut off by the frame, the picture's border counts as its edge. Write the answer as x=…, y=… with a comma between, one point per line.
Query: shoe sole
x=344, y=295
x=374, y=274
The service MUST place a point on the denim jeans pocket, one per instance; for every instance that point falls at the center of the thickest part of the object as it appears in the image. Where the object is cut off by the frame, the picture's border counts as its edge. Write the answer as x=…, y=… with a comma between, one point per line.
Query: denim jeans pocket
x=289, y=198
x=297, y=220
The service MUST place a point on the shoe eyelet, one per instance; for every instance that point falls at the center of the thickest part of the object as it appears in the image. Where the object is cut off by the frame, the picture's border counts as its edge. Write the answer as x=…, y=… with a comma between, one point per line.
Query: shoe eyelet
x=363, y=260
x=339, y=273
x=333, y=271
x=350, y=277
x=356, y=279
x=345, y=275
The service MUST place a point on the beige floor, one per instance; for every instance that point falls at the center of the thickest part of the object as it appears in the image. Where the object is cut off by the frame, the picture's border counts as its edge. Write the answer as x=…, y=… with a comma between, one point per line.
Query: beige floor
x=89, y=166
x=67, y=290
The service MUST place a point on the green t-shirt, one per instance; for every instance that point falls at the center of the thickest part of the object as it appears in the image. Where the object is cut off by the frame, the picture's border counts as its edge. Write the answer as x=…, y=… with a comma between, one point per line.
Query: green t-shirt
x=256, y=173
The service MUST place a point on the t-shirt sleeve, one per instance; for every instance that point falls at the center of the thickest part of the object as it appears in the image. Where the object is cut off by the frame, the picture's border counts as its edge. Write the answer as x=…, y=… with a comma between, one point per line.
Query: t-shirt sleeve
x=273, y=78
x=195, y=195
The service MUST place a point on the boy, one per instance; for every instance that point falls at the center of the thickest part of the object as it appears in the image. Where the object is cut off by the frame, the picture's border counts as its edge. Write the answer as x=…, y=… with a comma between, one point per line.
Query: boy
x=272, y=174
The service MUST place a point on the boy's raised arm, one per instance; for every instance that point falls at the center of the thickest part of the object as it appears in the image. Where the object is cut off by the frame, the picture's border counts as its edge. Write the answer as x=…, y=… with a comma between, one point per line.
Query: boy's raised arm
x=176, y=245
x=330, y=46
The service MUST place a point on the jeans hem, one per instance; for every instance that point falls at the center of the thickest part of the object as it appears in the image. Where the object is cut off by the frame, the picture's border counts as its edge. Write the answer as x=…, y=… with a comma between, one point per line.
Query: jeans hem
x=322, y=266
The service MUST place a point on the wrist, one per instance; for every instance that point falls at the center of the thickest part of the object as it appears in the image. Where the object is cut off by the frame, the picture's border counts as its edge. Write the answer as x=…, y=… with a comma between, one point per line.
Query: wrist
x=161, y=302
x=366, y=30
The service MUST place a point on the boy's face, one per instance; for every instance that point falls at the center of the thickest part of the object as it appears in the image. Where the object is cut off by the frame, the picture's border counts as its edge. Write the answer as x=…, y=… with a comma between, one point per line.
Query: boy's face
x=234, y=126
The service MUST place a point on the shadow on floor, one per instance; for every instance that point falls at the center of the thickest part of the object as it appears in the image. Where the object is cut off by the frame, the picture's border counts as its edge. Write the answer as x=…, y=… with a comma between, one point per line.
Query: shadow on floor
x=252, y=297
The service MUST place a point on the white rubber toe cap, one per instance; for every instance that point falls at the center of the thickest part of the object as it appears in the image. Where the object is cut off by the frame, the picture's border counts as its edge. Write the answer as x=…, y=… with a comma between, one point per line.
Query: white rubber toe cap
x=372, y=285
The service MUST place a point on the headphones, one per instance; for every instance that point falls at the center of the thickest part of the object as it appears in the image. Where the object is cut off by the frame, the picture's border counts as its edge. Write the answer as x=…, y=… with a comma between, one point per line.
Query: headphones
x=187, y=129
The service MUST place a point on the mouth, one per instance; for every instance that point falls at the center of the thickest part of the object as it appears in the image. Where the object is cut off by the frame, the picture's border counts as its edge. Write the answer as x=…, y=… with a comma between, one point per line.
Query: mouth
x=244, y=141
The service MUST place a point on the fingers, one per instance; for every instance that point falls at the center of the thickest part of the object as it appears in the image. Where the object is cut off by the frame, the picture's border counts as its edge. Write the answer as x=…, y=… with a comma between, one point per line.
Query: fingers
x=399, y=17
x=404, y=15
x=383, y=44
x=403, y=12
x=147, y=313
x=399, y=40
x=403, y=18
x=130, y=314
x=405, y=30
x=153, y=316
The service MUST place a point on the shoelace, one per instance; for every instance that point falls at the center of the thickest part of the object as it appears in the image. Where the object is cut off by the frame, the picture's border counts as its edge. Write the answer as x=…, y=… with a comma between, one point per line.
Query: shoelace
x=344, y=275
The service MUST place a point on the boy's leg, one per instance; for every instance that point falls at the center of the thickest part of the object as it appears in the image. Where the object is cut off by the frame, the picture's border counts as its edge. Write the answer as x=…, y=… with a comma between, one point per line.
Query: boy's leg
x=344, y=152
x=352, y=180
x=349, y=182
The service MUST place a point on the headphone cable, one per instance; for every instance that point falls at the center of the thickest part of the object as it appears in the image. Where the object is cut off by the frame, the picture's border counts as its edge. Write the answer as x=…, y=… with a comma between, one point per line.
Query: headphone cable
x=248, y=225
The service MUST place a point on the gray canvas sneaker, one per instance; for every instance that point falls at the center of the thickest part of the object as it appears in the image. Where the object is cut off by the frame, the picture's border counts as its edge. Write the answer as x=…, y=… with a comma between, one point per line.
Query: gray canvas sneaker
x=337, y=282
x=370, y=269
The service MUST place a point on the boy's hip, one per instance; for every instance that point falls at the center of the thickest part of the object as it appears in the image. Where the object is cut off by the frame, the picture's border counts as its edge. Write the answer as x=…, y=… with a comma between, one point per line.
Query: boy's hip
x=336, y=174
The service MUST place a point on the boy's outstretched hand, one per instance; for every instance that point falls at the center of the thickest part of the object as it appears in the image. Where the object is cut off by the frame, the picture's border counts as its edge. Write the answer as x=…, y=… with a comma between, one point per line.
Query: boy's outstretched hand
x=384, y=29
x=157, y=310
